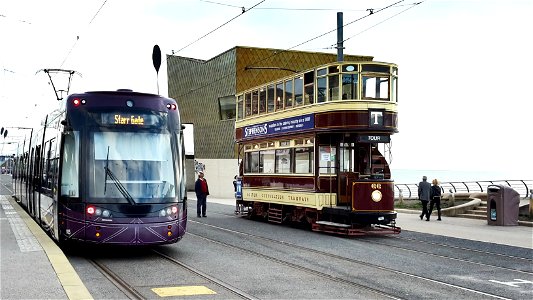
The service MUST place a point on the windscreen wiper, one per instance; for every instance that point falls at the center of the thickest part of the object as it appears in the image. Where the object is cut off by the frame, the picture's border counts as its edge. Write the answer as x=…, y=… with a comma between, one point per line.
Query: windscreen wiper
x=117, y=182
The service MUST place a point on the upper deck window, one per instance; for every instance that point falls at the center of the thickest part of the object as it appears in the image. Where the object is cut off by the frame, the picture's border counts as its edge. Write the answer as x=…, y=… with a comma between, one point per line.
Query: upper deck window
x=288, y=94
x=298, y=91
x=309, y=88
x=270, y=98
x=376, y=68
x=255, y=102
x=248, y=104
x=333, y=87
x=375, y=87
x=279, y=96
x=262, y=100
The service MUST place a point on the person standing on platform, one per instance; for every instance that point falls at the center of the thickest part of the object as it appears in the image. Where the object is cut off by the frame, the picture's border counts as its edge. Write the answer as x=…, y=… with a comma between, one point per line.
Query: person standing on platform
x=202, y=191
x=424, y=189
x=435, y=195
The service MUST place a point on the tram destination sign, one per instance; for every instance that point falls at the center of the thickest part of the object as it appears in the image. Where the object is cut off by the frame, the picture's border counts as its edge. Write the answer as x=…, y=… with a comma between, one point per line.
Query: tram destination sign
x=373, y=138
x=286, y=125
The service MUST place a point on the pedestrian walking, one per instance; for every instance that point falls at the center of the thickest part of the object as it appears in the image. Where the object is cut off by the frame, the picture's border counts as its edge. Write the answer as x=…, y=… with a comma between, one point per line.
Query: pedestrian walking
x=202, y=191
x=424, y=189
x=435, y=195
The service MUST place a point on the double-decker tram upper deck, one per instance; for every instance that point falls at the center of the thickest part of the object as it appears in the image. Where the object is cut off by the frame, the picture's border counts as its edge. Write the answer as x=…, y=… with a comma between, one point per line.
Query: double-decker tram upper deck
x=314, y=146
x=108, y=169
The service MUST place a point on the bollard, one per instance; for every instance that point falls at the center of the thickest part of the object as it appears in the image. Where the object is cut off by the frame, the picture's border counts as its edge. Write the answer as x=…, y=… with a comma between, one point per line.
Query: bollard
x=401, y=196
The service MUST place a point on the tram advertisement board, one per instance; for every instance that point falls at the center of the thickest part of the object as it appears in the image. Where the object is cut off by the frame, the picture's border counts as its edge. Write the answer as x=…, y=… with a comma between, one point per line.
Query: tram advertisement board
x=286, y=125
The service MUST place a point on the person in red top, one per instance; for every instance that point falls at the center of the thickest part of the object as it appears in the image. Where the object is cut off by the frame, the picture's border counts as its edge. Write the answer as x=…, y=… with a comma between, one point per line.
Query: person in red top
x=202, y=191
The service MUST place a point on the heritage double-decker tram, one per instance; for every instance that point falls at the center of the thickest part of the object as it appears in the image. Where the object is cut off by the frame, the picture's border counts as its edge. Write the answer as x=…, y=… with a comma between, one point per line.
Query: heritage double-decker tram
x=313, y=148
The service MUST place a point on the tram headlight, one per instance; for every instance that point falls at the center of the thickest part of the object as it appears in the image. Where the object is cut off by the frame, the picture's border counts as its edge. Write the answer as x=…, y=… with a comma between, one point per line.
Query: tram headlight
x=106, y=213
x=174, y=209
x=98, y=211
x=162, y=213
x=90, y=210
x=376, y=196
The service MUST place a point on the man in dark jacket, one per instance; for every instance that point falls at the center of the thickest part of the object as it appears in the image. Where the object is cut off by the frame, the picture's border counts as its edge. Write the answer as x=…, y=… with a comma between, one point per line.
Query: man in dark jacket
x=424, y=189
x=202, y=191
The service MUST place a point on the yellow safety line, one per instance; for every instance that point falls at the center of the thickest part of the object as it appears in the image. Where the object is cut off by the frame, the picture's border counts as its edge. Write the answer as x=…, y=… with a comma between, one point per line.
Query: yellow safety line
x=71, y=282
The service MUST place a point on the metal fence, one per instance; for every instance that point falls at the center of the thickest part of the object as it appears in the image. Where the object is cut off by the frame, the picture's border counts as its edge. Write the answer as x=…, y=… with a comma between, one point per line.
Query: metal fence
x=410, y=190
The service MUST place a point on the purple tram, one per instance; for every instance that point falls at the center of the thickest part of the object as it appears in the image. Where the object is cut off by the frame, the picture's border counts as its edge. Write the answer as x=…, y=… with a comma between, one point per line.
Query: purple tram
x=106, y=168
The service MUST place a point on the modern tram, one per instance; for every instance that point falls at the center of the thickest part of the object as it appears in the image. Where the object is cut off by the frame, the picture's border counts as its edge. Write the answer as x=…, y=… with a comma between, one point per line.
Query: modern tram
x=106, y=168
x=314, y=148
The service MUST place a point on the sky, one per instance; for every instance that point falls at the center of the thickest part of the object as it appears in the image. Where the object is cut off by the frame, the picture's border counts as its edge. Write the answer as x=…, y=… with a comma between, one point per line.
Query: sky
x=465, y=104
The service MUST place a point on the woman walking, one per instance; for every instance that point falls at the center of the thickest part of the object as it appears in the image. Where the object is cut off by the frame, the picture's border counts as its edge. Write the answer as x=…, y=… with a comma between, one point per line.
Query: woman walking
x=435, y=195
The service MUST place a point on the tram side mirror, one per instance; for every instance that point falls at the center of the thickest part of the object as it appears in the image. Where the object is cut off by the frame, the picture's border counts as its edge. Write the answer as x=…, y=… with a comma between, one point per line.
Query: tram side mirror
x=64, y=122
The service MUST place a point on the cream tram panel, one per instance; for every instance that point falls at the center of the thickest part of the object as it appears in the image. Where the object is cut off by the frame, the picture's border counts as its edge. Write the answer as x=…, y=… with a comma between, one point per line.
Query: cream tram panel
x=305, y=199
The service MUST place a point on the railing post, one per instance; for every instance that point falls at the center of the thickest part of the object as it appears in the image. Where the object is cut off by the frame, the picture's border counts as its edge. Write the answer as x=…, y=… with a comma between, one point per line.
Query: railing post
x=401, y=196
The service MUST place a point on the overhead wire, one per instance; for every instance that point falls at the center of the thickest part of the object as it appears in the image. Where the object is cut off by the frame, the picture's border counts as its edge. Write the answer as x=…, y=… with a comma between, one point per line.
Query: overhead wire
x=373, y=12
x=78, y=37
x=220, y=26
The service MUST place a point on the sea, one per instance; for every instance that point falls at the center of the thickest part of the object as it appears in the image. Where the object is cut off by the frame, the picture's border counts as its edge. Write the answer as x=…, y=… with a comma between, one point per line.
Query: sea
x=409, y=176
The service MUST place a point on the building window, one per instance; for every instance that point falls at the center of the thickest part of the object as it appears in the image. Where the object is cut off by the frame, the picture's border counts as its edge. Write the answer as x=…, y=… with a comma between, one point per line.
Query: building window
x=226, y=106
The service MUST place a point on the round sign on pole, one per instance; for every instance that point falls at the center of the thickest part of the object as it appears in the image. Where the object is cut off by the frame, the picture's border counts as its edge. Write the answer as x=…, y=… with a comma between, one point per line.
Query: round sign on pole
x=156, y=58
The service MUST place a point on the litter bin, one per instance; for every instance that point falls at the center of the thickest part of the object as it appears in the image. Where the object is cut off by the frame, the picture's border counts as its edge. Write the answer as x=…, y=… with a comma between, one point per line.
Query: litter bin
x=502, y=205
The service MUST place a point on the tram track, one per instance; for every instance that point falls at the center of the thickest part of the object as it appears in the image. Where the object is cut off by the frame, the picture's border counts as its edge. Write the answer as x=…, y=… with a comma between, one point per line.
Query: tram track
x=475, y=251
x=129, y=290
x=330, y=256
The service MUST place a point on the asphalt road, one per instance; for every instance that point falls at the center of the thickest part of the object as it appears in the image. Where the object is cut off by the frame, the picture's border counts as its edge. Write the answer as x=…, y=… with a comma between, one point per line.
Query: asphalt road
x=237, y=258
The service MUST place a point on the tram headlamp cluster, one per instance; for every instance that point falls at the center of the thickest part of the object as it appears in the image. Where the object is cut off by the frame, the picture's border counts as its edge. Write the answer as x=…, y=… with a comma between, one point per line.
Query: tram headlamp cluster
x=168, y=211
x=77, y=102
x=91, y=210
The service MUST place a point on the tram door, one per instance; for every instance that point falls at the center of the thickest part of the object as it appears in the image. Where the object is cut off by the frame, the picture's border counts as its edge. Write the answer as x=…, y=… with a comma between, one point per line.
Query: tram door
x=347, y=172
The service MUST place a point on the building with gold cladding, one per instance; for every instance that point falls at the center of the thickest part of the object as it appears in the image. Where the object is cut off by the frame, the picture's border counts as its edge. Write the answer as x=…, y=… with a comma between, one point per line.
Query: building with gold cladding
x=205, y=91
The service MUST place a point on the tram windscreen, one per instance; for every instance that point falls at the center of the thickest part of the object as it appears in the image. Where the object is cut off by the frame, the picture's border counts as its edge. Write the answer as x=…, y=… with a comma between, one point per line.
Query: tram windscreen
x=131, y=167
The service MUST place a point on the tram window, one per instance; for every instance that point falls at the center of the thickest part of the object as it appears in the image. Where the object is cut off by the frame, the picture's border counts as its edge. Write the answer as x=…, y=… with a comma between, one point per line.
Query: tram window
x=288, y=94
x=349, y=68
x=349, y=86
x=267, y=161
x=375, y=87
x=394, y=86
x=240, y=107
x=70, y=171
x=321, y=87
x=252, y=162
x=248, y=104
x=303, y=160
x=226, y=107
x=321, y=72
x=376, y=68
x=298, y=91
x=255, y=100
x=283, y=161
x=279, y=96
x=309, y=90
x=270, y=98
x=327, y=159
x=333, y=69
x=284, y=143
x=333, y=83
x=262, y=101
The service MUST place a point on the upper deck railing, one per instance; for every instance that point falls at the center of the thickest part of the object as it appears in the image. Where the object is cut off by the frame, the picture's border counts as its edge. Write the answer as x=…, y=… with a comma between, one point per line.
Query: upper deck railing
x=366, y=81
x=410, y=190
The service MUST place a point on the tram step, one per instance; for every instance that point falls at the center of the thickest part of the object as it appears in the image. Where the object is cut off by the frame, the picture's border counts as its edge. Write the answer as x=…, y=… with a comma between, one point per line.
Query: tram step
x=275, y=215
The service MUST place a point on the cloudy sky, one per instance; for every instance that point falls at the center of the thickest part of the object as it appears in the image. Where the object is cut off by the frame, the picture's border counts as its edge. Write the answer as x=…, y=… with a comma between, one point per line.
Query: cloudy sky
x=465, y=66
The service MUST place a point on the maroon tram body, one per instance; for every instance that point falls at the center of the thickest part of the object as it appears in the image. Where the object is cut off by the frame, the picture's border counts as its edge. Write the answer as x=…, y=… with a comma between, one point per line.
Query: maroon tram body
x=313, y=147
